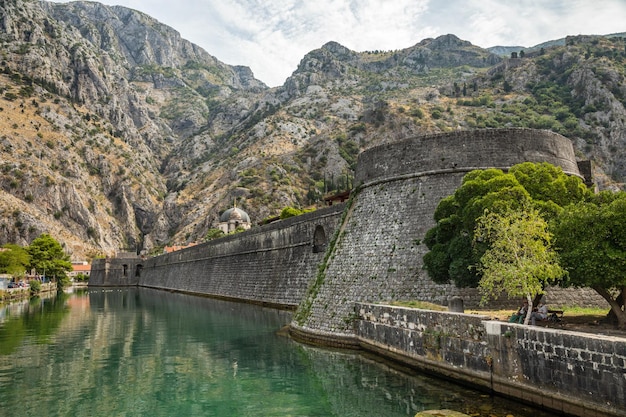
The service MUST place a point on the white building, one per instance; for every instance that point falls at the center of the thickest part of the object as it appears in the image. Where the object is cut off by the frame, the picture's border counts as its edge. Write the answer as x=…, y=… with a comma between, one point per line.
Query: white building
x=233, y=218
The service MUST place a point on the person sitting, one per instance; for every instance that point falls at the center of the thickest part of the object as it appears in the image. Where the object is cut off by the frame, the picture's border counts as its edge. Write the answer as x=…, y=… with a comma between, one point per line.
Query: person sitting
x=521, y=314
x=541, y=313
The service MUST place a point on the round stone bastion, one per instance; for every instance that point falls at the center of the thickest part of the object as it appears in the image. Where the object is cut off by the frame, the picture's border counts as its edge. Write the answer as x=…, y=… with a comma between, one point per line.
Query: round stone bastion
x=465, y=151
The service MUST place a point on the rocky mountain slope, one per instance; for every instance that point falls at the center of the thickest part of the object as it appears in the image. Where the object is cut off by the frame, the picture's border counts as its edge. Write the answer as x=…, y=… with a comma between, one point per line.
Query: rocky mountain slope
x=116, y=133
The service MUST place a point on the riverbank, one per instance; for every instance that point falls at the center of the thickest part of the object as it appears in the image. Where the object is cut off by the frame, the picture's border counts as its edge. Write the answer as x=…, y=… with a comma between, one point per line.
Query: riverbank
x=569, y=372
x=21, y=293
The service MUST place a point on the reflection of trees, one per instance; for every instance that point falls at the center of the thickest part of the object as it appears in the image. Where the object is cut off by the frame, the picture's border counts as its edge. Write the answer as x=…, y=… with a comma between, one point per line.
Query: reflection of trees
x=144, y=352
x=174, y=356
x=39, y=320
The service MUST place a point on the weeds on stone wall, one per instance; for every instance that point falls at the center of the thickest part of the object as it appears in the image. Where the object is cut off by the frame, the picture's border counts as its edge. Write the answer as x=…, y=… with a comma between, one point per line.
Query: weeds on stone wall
x=304, y=310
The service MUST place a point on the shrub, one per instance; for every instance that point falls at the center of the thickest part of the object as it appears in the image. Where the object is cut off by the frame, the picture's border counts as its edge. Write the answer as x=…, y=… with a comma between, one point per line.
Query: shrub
x=214, y=234
x=292, y=211
x=35, y=287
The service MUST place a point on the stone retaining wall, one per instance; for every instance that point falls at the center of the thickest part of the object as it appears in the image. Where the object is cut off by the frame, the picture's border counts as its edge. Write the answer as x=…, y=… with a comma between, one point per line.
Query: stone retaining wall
x=569, y=372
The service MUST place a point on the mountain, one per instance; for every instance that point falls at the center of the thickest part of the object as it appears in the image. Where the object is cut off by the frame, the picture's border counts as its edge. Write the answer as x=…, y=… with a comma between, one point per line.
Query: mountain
x=117, y=133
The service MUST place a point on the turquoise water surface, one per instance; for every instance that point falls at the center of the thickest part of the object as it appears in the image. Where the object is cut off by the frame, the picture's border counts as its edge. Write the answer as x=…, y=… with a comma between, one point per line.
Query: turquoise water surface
x=139, y=352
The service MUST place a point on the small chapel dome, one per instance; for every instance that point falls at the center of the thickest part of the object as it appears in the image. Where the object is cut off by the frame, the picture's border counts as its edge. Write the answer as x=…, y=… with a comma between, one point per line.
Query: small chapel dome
x=234, y=214
x=233, y=219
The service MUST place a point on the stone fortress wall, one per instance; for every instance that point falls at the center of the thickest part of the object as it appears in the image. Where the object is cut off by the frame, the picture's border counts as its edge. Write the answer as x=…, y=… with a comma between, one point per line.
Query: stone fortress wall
x=369, y=250
x=378, y=256
x=270, y=264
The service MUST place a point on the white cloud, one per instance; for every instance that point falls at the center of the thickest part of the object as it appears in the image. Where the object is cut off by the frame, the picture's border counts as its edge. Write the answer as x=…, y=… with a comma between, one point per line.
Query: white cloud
x=272, y=36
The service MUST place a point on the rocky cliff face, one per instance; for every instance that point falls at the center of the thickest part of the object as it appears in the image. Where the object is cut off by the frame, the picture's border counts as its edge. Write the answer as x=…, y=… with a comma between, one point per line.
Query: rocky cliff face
x=95, y=98
x=117, y=133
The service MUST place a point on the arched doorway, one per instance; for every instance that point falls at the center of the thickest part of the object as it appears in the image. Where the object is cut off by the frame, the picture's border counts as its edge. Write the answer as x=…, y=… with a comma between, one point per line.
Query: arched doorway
x=319, y=240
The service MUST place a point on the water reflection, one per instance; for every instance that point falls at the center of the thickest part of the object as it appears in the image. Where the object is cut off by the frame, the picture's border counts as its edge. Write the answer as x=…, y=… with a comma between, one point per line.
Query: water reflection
x=142, y=352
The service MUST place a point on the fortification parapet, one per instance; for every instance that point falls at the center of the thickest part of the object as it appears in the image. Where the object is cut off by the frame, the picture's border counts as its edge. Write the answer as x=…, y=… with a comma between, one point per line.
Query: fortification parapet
x=464, y=151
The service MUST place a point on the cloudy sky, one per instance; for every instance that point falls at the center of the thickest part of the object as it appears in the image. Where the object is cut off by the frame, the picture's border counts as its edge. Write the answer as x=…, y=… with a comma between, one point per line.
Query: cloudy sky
x=272, y=36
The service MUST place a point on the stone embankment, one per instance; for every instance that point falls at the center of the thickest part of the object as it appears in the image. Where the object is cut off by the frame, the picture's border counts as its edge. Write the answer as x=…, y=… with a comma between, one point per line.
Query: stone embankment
x=573, y=373
x=21, y=293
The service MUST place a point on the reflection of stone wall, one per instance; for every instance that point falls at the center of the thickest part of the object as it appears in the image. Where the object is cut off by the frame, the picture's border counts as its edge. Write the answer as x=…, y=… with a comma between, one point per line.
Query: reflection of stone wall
x=579, y=374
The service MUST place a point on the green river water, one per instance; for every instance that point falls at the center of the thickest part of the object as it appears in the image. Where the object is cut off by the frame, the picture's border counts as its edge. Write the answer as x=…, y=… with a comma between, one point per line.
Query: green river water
x=139, y=352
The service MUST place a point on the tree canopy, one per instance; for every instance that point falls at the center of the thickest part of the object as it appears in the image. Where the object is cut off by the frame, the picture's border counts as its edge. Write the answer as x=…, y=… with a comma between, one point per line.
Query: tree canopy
x=520, y=260
x=491, y=233
x=591, y=240
x=454, y=253
x=47, y=257
x=293, y=211
x=214, y=234
x=14, y=259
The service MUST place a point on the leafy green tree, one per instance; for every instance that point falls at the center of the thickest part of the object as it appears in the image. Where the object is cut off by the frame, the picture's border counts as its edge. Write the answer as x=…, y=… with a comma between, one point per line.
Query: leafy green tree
x=47, y=257
x=591, y=241
x=452, y=256
x=81, y=277
x=14, y=260
x=520, y=260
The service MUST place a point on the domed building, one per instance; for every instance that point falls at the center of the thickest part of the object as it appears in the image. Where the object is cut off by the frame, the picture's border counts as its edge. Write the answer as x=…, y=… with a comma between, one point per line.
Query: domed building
x=233, y=218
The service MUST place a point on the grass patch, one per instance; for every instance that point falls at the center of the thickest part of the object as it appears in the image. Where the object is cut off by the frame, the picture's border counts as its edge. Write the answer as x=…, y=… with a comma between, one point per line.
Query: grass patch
x=571, y=311
x=571, y=314
x=424, y=305
x=585, y=311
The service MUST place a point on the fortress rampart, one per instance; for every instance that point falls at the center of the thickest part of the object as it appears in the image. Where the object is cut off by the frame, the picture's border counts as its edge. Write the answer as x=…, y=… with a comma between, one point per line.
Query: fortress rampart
x=378, y=255
x=368, y=250
x=270, y=265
